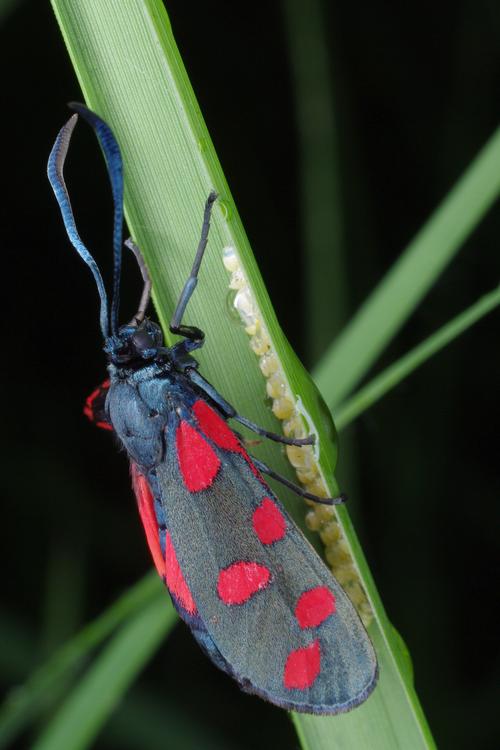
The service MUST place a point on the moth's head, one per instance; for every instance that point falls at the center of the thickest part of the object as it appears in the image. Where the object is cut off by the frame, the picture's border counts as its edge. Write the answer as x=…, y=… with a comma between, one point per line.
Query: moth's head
x=134, y=344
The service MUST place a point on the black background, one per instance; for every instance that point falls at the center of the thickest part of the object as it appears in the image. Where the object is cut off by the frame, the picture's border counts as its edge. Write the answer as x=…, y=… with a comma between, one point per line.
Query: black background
x=417, y=96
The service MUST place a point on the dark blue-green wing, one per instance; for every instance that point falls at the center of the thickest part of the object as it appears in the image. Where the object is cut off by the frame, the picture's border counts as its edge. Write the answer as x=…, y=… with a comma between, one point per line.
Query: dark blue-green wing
x=267, y=610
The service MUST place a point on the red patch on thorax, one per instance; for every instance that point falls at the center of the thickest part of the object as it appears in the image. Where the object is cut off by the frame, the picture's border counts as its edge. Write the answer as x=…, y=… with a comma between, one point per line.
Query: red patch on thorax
x=314, y=606
x=302, y=667
x=102, y=425
x=145, y=503
x=175, y=580
x=89, y=410
x=241, y=580
x=268, y=522
x=198, y=461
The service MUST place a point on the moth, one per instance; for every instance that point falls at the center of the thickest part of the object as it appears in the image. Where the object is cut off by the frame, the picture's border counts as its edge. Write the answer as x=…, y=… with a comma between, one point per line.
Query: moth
x=256, y=596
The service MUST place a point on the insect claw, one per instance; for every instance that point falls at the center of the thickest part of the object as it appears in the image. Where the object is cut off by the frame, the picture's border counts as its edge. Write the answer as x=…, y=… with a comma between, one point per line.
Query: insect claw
x=340, y=500
x=309, y=440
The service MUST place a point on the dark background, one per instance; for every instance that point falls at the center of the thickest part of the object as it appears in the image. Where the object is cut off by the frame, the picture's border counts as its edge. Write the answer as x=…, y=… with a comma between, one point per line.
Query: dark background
x=416, y=97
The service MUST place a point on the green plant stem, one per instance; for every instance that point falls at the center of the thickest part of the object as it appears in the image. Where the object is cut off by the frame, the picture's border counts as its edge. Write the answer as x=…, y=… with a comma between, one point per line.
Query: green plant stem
x=399, y=370
x=400, y=291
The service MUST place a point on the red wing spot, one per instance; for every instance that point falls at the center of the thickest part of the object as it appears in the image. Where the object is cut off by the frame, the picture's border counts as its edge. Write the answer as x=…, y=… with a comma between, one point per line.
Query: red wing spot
x=268, y=522
x=175, y=580
x=215, y=427
x=219, y=431
x=302, y=667
x=241, y=580
x=314, y=606
x=145, y=504
x=198, y=461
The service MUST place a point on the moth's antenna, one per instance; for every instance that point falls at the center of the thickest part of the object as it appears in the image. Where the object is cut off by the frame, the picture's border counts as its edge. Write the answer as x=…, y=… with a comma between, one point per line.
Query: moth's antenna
x=55, y=169
x=146, y=289
x=114, y=164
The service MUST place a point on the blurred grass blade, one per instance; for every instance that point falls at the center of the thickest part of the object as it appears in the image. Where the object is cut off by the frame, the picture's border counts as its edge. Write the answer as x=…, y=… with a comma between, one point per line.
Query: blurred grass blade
x=7, y=7
x=320, y=203
x=146, y=720
x=96, y=695
x=403, y=287
x=28, y=701
x=398, y=371
x=321, y=189
x=131, y=73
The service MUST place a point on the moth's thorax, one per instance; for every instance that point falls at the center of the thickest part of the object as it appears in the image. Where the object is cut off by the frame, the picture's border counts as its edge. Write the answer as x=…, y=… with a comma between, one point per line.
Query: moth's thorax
x=142, y=403
x=140, y=372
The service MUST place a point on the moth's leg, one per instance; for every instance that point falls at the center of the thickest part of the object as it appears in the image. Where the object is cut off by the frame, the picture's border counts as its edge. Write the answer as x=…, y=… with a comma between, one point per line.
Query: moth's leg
x=180, y=354
x=195, y=335
x=146, y=289
x=295, y=487
x=231, y=413
x=309, y=440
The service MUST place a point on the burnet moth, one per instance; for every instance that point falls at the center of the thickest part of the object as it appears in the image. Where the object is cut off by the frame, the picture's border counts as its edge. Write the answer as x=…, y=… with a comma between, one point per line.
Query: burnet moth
x=257, y=597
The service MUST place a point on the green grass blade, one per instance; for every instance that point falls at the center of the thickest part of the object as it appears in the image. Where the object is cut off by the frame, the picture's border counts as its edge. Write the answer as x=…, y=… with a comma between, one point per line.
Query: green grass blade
x=131, y=73
x=320, y=203
x=81, y=716
x=394, y=299
x=399, y=370
x=322, y=186
x=27, y=702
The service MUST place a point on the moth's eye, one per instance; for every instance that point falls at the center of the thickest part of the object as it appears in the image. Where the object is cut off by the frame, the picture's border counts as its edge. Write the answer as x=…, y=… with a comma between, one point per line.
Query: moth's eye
x=142, y=340
x=156, y=334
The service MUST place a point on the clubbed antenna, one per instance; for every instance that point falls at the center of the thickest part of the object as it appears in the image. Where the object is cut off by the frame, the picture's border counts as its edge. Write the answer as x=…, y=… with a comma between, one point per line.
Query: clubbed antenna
x=114, y=164
x=55, y=169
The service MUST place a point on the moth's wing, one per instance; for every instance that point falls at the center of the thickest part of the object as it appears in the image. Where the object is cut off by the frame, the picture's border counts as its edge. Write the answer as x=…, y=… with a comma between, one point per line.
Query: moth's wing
x=167, y=565
x=95, y=406
x=268, y=603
